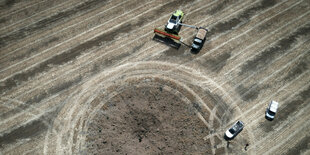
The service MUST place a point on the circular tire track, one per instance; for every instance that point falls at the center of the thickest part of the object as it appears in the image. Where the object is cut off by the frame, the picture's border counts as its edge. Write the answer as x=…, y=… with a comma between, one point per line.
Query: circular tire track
x=139, y=105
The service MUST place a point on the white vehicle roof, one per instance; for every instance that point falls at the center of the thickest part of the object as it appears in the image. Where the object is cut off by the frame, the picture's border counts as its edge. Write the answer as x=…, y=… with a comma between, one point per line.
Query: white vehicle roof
x=228, y=134
x=170, y=25
x=273, y=106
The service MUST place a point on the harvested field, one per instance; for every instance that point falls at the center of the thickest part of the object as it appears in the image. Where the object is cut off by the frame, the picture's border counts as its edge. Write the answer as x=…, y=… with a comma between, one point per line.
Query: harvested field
x=86, y=77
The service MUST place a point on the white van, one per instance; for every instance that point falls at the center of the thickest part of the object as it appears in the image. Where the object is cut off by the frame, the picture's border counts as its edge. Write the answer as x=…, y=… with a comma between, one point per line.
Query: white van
x=271, y=110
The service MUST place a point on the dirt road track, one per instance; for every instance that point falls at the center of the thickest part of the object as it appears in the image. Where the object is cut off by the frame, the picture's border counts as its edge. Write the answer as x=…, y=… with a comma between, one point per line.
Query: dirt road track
x=86, y=77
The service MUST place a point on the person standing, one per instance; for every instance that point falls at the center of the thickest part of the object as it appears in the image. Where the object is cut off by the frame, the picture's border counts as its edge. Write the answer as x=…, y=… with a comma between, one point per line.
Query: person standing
x=246, y=146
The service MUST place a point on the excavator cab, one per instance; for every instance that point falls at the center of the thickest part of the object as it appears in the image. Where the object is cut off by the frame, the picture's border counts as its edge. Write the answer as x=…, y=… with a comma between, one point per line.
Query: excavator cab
x=173, y=25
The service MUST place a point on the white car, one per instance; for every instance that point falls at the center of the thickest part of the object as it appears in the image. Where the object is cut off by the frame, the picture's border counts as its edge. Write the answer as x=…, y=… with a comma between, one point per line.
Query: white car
x=271, y=110
x=234, y=130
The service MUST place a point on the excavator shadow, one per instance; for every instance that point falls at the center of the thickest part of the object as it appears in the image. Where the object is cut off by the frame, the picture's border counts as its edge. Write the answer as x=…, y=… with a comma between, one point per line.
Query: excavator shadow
x=167, y=41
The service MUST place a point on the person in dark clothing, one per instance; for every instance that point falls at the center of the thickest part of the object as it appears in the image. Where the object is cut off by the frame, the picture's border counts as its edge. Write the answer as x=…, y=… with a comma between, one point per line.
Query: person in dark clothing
x=246, y=145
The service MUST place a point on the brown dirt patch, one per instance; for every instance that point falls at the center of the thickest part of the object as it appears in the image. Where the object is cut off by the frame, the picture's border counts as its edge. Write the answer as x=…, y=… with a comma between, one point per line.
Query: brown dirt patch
x=146, y=121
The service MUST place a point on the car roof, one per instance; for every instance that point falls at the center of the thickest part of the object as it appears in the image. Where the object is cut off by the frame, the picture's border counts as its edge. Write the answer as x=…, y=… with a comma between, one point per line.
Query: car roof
x=201, y=33
x=274, y=106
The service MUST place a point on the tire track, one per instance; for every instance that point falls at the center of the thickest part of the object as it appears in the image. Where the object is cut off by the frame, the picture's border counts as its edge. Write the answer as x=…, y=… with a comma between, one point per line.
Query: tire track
x=290, y=106
x=144, y=52
x=218, y=47
x=64, y=57
x=222, y=65
x=255, y=114
x=46, y=44
x=251, y=136
x=300, y=125
x=285, y=66
x=264, y=81
x=7, y=5
x=32, y=114
x=243, y=18
x=294, y=73
x=56, y=125
x=40, y=97
x=93, y=89
x=270, y=71
x=33, y=151
x=252, y=75
x=47, y=22
x=123, y=27
x=26, y=17
x=54, y=33
x=283, y=97
x=117, y=92
x=283, y=94
x=265, y=48
x=246, y=94
x=269, y=54
x=27, y=130
x=216, y=21
x=273, y=95
x=20, y=118
x=300, y=147
x=113, y=80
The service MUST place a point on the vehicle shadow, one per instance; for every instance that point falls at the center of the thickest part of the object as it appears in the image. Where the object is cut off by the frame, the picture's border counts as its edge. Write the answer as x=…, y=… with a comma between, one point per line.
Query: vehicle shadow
x=227, y=139
x=168, y=41
x=269, y=119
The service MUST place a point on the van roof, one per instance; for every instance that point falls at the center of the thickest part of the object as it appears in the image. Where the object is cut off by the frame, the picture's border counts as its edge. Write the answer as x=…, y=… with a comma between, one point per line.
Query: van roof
x=274, y=106
x=201, y=33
